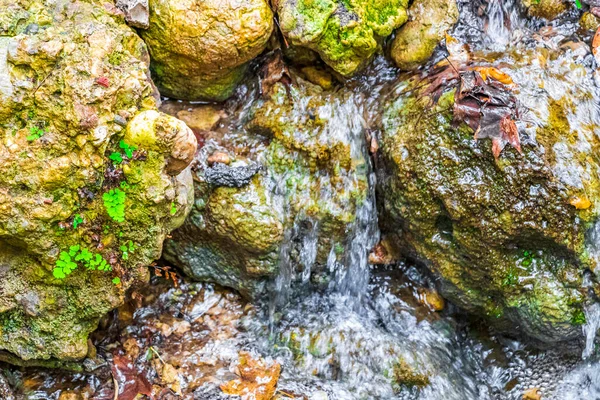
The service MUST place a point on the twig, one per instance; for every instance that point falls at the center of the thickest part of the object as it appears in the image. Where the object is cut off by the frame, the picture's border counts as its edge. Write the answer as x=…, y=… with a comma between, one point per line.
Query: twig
x=116, y=385
x=152, y=349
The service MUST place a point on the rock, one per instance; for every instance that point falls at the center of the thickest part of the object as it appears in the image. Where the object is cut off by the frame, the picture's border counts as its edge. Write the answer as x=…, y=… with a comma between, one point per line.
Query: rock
x=416, y=40
x=136, y=12
x=219, y=157
x=512, y=238
x=200, y=48
x=547, y=9
x=318, y=76
x=202, y=118
x=346, y=35
x=85, y=203
x=431, y=299
x=589, y=21
x=311, y=183
x=405, y=375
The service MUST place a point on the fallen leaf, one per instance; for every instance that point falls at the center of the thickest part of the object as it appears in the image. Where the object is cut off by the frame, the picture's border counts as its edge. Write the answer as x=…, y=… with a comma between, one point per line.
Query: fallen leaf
x=595, y=45
x=274, y=70
x=532, y=394
x=489, y=109
x=257, y=380
x=494, y=73
x=580, y=203
x=131, y=382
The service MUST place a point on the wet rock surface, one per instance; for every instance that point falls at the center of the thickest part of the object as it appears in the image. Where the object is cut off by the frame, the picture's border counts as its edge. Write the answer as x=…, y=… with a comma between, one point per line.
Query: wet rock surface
x=416, y=40
x=345, y=34
x=508, y=236
x=283, y=182
x=200, y=49
x=79, y=178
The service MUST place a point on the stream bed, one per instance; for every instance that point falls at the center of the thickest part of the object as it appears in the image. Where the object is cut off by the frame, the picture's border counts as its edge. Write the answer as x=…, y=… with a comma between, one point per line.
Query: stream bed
x=369, y=332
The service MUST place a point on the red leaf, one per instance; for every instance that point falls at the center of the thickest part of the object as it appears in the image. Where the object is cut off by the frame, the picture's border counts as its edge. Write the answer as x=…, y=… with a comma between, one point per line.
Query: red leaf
x=131, y=382
x=103, y=81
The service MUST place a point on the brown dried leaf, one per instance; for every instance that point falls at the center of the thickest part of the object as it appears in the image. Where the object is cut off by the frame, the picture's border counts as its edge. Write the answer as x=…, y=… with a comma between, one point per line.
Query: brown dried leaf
x=274, y=70
x=257, y=380
x=131, y=382
x=488, y=108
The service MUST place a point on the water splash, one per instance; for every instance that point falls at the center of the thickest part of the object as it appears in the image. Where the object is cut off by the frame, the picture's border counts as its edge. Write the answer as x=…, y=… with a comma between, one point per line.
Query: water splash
x=590, y=328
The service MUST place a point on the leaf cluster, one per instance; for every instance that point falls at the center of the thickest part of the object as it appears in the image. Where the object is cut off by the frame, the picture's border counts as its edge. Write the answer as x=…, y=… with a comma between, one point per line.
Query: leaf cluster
x=35, y=133
x=114, y=202
x=128, y=149
x=78, y=256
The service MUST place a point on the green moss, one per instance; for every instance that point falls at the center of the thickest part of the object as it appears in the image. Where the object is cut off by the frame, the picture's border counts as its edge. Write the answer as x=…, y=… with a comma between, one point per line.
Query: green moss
x=345, y=35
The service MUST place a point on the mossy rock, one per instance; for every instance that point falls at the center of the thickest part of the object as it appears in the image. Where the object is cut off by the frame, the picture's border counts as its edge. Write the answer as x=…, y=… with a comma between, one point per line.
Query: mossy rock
x=345, y=33
x=200, y=48
x=510, y=238
x=547, y=9
x=312, y=180
x=67, y=111
x=416, y=40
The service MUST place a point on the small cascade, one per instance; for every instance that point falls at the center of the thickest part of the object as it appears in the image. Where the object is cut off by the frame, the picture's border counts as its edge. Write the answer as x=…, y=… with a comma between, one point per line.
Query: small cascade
x=590, y=328
x=498, y=30
x=352, y=276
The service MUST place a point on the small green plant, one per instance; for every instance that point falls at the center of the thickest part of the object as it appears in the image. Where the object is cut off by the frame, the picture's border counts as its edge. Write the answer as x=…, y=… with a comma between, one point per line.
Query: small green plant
x=127, y=148
x=77, y=220
x=527, y=259
x=511, y=278
x=114, y=202
x=35, y=133
x=173, y=208
x=578, y=318
x=116, y=280
x=76, y=256
x=127, y=249
x=116, y=157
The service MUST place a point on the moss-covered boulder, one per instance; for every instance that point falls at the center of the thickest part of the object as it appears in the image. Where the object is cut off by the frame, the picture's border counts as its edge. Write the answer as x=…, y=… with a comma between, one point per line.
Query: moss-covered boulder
x=346, y=34
x=200, y=48
x=92, y=177
x=289, y=188
x=417, y=39
x=548, y=9
x=510, y=238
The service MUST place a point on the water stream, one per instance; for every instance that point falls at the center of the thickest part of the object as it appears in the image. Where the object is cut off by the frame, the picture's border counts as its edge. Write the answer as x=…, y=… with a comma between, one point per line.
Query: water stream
x=367, y=329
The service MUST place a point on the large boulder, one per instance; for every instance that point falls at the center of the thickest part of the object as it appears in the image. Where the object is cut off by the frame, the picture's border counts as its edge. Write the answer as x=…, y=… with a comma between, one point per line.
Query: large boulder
x=345, y=34
x=512, y=238
x=200, y=48
x=92, y=177
x=284, y=191
x=416, y=40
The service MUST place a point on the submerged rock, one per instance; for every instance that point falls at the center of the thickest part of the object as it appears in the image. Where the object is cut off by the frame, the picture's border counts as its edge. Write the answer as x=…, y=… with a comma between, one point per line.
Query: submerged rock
x=200, y=49
x=92, y=177
x=345, y=34
x=508, y=237
x=416, y=40
x=296, y=210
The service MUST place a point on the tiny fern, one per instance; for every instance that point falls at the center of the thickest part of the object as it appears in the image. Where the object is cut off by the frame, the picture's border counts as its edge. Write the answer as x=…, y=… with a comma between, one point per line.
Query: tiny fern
x=76, y=256
x=114, y=202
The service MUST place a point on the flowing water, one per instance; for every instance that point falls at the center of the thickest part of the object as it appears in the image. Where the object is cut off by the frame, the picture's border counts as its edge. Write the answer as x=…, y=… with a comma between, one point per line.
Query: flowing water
x=369, y=329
